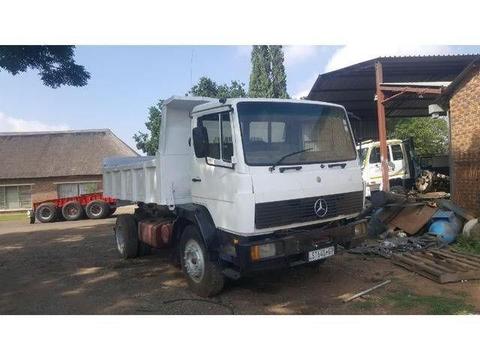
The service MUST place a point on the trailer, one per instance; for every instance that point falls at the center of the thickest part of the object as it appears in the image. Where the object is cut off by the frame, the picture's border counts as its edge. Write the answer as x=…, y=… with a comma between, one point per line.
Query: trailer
x=93, y=206
x=240, y=186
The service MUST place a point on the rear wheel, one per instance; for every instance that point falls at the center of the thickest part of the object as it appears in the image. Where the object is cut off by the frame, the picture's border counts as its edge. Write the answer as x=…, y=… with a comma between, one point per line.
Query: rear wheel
x=46, y=212
x=204, y=276
x=126, y=236
x=97, y=209
x=72, y=210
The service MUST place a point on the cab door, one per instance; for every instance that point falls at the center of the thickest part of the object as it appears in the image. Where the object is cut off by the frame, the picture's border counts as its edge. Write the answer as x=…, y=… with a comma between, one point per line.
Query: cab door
x=374, y=166
x=398, y=162
x=212, y=176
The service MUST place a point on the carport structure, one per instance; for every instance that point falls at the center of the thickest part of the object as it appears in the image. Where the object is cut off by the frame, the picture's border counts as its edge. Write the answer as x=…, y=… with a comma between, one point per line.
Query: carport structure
x=388, y=87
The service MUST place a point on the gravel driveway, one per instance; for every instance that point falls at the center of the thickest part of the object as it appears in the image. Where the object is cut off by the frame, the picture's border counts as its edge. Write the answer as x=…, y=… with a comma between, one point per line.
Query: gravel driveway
x=73, y=268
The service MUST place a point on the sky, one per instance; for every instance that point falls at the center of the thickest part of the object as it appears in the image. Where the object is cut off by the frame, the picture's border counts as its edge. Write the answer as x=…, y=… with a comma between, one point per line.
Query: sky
x=127, y=80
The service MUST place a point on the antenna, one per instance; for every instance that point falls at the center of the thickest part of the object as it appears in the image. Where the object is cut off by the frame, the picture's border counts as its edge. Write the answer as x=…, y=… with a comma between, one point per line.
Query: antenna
x=191, y=68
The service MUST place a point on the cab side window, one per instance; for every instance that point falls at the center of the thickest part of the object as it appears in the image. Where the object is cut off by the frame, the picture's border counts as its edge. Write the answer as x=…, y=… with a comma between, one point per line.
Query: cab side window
x=210, y=122
x=227, y=142
x=375, y=155
x=397, y=152
x=220, y=144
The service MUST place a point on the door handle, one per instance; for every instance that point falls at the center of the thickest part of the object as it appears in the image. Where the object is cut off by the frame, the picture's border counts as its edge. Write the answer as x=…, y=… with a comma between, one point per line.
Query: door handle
x=196, y=179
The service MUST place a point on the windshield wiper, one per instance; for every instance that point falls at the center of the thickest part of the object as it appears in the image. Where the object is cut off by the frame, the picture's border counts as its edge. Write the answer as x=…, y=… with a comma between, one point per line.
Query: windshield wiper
x=271, y=168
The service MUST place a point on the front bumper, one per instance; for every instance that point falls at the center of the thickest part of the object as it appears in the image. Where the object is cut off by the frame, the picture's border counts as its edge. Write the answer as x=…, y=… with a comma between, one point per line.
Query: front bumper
x=292, y=245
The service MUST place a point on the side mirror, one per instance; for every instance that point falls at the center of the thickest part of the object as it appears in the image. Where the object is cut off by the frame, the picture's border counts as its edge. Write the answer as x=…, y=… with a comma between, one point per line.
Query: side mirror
x=200, y=141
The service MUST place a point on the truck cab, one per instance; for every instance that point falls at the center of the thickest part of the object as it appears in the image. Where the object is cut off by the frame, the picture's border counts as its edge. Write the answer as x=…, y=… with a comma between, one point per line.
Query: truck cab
x=402, y=166
x=242, y=185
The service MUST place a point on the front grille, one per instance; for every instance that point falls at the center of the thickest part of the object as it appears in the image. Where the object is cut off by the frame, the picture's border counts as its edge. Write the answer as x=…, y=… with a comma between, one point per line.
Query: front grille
x=278, y=213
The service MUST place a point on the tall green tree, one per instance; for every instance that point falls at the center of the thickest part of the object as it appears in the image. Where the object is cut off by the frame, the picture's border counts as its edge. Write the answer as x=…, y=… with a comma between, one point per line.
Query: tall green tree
x=279, y=77
x=260, y=83
x=268, y=78
x=55, y=63
x=430, y=135
x=148, y=142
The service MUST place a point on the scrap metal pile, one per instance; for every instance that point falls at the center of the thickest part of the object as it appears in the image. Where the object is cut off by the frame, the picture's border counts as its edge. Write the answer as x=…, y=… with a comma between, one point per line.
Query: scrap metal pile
x=414, y=231
x=412, y=222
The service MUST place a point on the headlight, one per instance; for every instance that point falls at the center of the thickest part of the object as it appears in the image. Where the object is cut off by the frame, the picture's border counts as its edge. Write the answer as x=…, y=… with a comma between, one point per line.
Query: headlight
x=258, y=252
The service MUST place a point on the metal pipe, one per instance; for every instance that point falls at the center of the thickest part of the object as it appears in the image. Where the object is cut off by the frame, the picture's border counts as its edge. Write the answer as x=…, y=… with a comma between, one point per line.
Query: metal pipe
x=382, y=126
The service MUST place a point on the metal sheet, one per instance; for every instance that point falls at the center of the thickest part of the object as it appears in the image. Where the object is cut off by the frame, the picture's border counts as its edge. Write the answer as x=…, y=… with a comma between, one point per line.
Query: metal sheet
x=412, y=218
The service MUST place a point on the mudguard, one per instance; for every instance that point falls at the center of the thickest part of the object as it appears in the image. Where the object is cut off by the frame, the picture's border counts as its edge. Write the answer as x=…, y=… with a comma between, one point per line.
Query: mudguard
x=200, y=216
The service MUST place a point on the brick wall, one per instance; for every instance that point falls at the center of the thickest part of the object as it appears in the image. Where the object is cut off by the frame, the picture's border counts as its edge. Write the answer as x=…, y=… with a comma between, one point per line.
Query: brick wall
x=465, y=142
x=46, y=188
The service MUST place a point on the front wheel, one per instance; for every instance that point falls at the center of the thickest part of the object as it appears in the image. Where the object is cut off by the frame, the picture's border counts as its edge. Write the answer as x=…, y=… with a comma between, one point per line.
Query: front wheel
x=204, y=276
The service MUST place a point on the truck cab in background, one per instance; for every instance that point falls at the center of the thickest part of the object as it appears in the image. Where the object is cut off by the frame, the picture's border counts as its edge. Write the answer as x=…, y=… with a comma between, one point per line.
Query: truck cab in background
x=403, y=168
x=242, y=185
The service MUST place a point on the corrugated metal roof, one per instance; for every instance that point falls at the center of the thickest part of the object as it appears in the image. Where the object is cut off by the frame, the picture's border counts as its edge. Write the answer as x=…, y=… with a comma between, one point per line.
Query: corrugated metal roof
x=58, y=153
x=354, y=86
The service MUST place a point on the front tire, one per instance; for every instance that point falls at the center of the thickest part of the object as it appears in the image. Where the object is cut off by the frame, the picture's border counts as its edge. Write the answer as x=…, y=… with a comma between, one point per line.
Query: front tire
x=204, y=276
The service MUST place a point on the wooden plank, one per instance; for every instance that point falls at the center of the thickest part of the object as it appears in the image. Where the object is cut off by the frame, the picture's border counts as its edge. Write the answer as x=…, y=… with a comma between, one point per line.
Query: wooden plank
x=428, y=262
x=449, y=261
x=439, y=265
x=462, y=254
x=415, y=269
x=418, y=264
x=453, y=256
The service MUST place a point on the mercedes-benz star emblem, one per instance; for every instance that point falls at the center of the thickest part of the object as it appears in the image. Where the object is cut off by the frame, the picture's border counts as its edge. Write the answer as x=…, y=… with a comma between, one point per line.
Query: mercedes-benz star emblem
x=320, y=207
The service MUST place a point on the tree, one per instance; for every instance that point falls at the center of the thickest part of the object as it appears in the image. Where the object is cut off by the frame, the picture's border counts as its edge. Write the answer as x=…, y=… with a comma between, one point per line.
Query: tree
x=430, y=135
x=209, y=88
x=268, y=78
x=148, y=143
x=260, y=84
x=55, y=64
x=279, y=77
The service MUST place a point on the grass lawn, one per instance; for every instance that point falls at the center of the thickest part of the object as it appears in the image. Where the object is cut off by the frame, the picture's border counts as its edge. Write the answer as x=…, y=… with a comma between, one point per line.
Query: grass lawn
x=403, y=301
x=13, y=217
x=467, y=244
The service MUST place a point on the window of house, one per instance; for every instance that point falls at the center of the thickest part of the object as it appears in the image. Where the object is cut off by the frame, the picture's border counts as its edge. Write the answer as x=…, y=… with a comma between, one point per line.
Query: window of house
x=15, y=197
x=219, y=132
x=76, y=189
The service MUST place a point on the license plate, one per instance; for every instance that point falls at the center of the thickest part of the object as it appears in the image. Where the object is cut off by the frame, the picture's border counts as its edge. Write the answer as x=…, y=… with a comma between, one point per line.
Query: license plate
x=321, y=253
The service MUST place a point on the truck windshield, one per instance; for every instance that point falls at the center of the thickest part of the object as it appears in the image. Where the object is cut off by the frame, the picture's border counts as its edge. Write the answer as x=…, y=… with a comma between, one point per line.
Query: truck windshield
x=271, y=130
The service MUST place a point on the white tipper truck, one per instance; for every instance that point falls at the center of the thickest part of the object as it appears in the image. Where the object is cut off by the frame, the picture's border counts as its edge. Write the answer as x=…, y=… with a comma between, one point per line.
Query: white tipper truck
x=239, y=186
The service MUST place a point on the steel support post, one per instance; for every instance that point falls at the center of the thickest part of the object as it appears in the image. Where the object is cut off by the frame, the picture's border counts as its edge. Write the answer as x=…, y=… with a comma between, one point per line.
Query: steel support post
x=382, y=126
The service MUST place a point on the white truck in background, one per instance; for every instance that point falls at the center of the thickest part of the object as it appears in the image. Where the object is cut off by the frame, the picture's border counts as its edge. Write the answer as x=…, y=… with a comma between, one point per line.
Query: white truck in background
x=241, y=185
x=402, y=166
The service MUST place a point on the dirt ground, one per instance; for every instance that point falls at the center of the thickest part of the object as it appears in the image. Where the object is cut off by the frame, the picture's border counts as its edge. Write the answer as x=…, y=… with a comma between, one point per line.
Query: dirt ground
x=73, y=268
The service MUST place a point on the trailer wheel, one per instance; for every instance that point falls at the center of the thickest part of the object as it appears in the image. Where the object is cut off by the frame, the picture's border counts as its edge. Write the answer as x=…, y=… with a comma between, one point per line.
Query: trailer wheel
x=97, y=209
x=72, y=210
x=46, y=212
x=204, y=276
x=126, y=236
